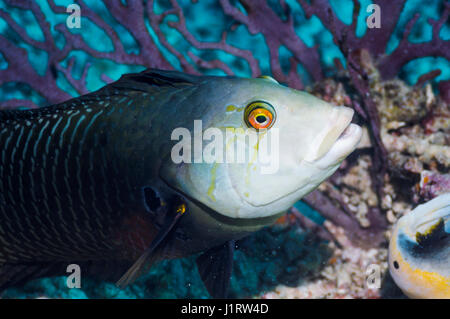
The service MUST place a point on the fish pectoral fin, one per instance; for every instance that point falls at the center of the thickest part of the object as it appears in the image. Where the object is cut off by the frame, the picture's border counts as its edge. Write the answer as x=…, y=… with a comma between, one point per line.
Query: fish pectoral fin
x=215, y=267
x=160, y=240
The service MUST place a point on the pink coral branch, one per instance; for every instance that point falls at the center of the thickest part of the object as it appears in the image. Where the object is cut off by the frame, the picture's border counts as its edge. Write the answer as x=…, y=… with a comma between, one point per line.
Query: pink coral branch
x=307, y=223
x=334, y=213
x=375, y=40
x=155, y=22
x=222, y=45
x=276, y=33
x=213, y=64
x=20, y=70
x=79, y=85
x=406, y=51
x=17, y=57
x=359, y=78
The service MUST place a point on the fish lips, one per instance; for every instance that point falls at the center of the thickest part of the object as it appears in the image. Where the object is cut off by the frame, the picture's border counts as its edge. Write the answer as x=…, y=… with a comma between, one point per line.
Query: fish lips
x=336, y=141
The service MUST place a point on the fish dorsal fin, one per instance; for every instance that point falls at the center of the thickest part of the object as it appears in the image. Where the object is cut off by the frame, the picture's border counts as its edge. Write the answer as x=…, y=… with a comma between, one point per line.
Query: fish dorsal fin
x=156, y=78
x=144, y=81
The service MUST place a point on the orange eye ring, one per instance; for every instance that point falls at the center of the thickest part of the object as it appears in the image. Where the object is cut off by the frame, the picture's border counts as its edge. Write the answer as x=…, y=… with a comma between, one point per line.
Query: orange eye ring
x=260, y=118
x=259, y=115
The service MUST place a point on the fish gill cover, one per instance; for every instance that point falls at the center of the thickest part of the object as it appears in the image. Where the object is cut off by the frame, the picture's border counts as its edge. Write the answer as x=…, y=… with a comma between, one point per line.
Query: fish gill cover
x=396, y=78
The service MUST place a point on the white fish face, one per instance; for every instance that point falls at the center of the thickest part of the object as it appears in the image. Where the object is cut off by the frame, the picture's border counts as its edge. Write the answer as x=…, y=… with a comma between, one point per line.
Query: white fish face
x=304, y=143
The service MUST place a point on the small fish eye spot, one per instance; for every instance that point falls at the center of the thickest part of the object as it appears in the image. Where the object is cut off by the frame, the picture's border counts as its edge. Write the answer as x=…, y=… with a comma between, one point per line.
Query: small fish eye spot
x=396, y=265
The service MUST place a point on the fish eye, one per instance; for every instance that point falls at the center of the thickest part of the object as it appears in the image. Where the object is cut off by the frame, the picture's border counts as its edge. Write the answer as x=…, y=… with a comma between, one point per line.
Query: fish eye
x=259, y=115
x=396, y=265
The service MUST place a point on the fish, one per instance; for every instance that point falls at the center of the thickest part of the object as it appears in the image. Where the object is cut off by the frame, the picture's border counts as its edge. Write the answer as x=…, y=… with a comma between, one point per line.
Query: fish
x=97, y=180
x=419, y=250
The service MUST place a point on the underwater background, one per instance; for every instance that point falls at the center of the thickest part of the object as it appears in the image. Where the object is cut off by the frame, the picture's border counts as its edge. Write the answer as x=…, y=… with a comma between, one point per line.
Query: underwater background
x=311, y=253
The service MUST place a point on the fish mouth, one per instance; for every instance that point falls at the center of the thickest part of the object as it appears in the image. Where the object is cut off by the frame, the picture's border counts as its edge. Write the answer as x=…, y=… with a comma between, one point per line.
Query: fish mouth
x=336, y=141
x=344, y=145
x=352, y=133
x=347, y=131
x=335, y=123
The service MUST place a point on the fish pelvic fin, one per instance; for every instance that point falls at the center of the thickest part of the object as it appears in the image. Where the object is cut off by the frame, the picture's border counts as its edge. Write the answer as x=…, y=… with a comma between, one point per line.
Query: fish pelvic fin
x=215, y=267
x=159, y=244
x=143, y=263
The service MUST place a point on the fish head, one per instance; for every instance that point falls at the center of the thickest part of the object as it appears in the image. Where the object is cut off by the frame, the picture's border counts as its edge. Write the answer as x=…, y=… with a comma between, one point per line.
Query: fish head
x=276, y=144
x=419, y=250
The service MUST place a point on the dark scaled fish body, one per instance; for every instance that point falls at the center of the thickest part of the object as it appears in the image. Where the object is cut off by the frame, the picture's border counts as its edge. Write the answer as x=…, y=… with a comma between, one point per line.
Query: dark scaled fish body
x=89, y=182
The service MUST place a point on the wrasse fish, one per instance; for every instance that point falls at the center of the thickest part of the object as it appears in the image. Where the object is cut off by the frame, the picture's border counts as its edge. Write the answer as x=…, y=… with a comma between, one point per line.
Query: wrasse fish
x=419, y=251
x=92, y=181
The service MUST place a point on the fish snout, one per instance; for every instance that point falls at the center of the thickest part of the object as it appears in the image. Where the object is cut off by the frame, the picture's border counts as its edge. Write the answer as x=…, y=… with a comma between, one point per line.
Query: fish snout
x=337, y=139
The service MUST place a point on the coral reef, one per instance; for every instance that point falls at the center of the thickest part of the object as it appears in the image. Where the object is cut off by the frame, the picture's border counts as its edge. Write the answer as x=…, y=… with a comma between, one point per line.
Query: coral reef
x=396, y=78
x=345, y=275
